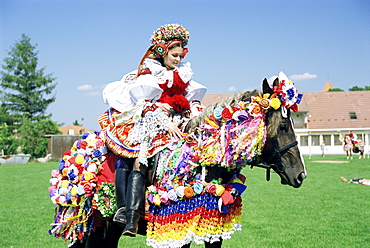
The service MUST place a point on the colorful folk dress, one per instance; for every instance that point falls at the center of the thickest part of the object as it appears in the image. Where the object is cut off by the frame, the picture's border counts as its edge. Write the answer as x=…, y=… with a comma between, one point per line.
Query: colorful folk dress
x=133, y=125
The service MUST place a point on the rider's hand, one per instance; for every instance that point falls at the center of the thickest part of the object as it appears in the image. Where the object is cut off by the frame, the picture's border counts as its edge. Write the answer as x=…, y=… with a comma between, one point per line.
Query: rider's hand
x=175, y=132
x=165, y=107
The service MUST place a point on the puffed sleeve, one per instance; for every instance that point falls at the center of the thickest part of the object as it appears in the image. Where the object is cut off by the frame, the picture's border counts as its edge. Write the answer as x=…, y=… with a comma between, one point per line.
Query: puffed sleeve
x=126, y=93
x=116, y=94
x=195, y=91
x=145, y=88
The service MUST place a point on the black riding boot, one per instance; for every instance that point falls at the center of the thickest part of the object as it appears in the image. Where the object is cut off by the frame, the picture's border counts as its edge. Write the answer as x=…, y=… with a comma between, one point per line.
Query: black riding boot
x=134, y=198
x=121, y=178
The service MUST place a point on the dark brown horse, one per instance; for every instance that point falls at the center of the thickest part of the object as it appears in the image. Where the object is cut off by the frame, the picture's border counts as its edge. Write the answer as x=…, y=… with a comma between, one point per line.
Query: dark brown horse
x=276, y=149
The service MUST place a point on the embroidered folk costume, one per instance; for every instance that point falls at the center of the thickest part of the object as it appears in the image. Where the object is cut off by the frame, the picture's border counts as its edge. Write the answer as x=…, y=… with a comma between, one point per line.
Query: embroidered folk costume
x=136, y=127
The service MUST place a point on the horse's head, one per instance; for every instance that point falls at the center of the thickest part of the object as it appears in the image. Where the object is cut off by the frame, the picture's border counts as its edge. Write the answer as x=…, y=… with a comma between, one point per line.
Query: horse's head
x=281, y=152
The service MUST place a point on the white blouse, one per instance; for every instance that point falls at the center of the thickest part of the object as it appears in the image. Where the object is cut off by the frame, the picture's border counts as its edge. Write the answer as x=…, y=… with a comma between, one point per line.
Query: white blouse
x=126, y=93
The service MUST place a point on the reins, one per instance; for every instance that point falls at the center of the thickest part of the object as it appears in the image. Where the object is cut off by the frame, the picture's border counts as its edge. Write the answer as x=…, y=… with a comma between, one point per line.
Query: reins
x=276, y=156
x=278, y=153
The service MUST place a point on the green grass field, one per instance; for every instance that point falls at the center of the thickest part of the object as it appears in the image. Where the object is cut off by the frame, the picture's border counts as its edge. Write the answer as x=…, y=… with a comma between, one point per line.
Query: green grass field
x=324, y=212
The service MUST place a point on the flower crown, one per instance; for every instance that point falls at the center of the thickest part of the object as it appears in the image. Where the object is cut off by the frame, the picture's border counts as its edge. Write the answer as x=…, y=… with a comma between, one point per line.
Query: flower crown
x=169, y=32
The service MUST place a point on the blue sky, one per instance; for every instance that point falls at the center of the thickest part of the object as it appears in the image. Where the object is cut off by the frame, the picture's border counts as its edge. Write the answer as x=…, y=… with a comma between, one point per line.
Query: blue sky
x=233, y=44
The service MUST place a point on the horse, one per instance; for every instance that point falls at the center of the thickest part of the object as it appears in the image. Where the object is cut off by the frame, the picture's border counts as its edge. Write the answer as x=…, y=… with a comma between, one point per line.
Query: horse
x=358, y=147
x=191, y=180
x=352, y=145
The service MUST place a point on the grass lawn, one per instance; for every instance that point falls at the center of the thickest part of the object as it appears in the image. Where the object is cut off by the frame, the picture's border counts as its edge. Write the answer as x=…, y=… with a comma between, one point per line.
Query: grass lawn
x=324, y=212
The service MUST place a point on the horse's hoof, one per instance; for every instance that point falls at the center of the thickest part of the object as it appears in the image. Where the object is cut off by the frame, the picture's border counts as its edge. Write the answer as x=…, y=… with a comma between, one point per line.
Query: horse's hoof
x=130, y=233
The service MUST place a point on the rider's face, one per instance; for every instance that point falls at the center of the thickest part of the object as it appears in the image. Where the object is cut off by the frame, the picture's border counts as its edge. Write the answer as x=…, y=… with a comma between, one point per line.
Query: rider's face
x=173, y=57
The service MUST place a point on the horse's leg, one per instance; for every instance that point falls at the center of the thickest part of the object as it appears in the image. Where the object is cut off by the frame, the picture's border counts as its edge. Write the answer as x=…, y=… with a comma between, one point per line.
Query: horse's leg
x=350, y=153
x=79, y=244
x=113, y=235
x=96, y=238
x=361, y=154
x=216, y=244
x=134, y=198
x=124, y=166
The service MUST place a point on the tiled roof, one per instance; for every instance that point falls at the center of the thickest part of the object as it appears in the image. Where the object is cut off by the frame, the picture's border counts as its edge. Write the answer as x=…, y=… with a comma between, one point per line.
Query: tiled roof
x=327, y=109
x=332, y=109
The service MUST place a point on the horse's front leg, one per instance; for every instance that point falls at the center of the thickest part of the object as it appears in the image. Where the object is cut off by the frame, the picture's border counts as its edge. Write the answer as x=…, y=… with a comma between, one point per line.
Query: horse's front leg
x=217, y=244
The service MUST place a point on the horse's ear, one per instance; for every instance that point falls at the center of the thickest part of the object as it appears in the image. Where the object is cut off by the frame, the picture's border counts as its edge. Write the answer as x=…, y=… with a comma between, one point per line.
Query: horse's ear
x=266, y=87
x=276, y=82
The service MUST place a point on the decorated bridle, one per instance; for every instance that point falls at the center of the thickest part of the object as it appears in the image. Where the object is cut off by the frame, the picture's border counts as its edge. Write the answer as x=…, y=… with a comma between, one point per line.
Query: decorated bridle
x=289, y=98
x=278, y=153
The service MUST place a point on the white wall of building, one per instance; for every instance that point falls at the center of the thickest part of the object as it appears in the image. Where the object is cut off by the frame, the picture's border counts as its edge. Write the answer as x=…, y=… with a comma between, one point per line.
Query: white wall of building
x=310, y=140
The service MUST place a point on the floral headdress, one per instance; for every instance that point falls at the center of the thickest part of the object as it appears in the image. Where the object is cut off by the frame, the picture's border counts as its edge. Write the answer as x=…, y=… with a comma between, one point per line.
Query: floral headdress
x=164, y=38
x=170, y=32
x=287, y=93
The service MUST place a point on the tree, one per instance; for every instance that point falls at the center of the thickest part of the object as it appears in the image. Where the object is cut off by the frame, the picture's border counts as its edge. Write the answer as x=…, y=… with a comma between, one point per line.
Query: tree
x=336, y=89
x=75, y=123
x=8, y=142
x=33, y=139
x=357, y=88
x=26, y=87
x=24, y=101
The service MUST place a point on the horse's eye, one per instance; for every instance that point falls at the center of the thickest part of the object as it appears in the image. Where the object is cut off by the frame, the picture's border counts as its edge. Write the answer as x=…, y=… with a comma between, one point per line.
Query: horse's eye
x=284, y=126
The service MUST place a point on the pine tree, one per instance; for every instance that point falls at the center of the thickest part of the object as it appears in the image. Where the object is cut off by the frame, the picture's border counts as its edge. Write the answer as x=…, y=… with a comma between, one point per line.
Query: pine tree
x=26, y=88
x=24, y=100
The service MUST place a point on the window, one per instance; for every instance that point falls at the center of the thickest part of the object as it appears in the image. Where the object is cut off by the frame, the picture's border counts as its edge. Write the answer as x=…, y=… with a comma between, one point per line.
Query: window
x=303, y=141
x=352, y=115
x=336, y=140
x=327, y=139
x=315, y=140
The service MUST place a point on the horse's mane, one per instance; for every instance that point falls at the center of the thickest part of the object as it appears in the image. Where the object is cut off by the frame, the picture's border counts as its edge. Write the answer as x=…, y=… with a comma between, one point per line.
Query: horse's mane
x=230, y=101
x=273, y=120
x=274, y=117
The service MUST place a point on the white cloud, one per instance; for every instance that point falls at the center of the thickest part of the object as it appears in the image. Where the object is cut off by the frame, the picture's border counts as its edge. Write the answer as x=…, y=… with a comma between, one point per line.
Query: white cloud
x=85, y=87
x=232, y=89
x=304, y=76
x=93, y=93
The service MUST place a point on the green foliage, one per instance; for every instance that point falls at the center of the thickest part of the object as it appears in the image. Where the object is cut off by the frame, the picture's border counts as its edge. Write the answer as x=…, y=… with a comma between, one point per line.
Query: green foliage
x=336, y=89
x=8, y=142
x=33, y=139
x=357, y=88
x=24, y=101
x=26, y=87
x=75, y=123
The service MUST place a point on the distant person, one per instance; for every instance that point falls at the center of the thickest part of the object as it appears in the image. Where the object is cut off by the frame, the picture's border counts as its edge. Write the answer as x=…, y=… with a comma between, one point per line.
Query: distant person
x=356, y=180
x=322, y=149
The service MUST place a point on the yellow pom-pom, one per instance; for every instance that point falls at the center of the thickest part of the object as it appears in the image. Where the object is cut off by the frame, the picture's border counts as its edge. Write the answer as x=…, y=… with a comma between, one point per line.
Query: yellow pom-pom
x=79, y=159
x=65, y=184
x=219, y=190
x=88, y=176
x=275, y=103
x=157, y=200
